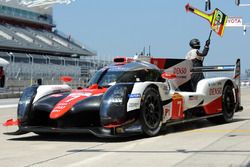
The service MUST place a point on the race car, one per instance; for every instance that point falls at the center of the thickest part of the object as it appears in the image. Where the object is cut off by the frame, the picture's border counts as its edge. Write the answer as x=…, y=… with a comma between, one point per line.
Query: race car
x=129, y=97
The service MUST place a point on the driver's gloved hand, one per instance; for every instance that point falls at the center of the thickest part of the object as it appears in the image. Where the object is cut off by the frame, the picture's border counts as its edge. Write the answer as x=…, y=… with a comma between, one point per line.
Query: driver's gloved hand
x=207, y=43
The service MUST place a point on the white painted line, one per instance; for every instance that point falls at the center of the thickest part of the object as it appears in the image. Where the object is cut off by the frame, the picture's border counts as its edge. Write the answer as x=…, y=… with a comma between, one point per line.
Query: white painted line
x=8, y=106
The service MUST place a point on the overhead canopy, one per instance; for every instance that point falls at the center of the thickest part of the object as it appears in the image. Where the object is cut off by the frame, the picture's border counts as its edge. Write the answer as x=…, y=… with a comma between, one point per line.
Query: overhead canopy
x=3, y=62
x=46, y=3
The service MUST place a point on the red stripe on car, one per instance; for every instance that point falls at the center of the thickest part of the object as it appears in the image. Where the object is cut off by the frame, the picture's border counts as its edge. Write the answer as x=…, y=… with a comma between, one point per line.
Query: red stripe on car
x=68, y=102
x=214, y=106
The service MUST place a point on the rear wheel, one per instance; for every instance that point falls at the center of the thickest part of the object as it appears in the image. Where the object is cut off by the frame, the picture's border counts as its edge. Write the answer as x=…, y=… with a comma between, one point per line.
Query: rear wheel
x=151, y=112
x=229, y=106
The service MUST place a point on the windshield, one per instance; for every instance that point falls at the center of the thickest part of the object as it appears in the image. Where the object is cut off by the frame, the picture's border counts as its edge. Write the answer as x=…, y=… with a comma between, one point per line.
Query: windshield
x=105, y=78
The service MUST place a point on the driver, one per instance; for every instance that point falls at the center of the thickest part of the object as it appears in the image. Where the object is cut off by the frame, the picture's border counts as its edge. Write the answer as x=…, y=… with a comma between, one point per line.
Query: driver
x=197, y=58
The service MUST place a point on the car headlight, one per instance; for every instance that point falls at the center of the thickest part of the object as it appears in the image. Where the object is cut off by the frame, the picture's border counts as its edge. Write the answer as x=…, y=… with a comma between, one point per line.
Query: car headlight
x=114, y=104
x=118, y=95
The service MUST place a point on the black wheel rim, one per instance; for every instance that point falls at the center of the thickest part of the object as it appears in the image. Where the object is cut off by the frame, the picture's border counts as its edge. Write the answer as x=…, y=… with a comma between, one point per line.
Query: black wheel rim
x=228, y=102
x=151, y=111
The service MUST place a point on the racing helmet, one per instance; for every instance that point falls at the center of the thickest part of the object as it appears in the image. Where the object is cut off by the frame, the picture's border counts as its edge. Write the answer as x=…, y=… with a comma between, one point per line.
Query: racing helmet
x=195, y=43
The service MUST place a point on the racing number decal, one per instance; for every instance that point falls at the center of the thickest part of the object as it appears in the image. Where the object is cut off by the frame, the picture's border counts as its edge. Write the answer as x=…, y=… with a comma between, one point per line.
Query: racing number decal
x=177, y=106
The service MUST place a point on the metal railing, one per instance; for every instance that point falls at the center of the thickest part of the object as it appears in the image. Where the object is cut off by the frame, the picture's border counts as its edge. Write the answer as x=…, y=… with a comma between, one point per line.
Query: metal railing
x=26, y=69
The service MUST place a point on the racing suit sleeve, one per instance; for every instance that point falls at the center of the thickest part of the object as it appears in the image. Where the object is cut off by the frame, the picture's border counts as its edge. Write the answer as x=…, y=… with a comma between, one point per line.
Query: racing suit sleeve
x=205, y=50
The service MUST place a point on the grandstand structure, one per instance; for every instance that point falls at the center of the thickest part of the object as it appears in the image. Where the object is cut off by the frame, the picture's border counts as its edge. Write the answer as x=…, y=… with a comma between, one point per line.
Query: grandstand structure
x=35, y=49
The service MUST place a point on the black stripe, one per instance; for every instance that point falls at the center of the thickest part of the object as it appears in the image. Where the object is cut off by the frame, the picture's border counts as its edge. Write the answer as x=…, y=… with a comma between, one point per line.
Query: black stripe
x=165, y=102
x=201, y=102
x=172, y=62
x=223, y=18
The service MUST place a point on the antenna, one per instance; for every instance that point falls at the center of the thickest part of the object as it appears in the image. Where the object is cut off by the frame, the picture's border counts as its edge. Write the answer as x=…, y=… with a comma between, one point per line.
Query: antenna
x=149, y=50
x=207, y=5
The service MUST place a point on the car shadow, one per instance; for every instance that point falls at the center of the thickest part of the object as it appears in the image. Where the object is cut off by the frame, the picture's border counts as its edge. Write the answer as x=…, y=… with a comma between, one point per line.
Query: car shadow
x=74, y=138
x=183, y=127
x=199, y=124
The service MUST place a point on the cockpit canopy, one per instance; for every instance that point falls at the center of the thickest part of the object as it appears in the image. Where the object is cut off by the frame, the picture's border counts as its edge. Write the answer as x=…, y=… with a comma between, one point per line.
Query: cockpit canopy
x=123, y=73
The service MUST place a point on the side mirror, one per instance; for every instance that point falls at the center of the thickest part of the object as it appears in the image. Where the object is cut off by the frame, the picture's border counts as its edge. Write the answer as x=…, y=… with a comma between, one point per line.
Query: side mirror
x=94, y=86
x=167, y=75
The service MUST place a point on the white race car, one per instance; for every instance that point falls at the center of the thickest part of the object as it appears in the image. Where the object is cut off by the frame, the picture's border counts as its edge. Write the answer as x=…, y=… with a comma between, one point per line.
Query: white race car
x=130, y=97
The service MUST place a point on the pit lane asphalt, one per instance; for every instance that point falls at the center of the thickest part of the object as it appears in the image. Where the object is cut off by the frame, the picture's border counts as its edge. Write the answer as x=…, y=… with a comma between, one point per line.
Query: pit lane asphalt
x=193, y=144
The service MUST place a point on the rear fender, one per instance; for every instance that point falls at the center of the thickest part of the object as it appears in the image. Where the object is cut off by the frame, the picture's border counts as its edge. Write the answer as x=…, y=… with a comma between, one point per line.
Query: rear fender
x=211, y=88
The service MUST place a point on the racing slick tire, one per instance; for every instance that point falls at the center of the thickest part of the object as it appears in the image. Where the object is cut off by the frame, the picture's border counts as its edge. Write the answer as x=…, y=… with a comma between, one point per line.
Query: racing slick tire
x=151, y=112
x=229, y=106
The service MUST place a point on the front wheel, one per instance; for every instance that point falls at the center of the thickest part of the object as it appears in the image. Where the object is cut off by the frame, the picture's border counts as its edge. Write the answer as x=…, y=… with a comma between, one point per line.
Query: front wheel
x=151, y=112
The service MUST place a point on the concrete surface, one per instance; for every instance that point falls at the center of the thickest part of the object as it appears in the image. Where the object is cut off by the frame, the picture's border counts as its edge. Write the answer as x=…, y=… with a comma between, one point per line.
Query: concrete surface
x=193, y=144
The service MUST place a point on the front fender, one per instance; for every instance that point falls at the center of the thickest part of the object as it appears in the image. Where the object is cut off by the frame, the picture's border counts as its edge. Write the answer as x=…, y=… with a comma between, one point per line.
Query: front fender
x=113, y=108
x=134, y=101
x=44, y=90
x=25, y=103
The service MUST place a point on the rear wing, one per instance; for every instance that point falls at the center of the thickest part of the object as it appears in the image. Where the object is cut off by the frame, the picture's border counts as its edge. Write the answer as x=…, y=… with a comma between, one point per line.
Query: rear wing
x=222, y=68
x=183, y=69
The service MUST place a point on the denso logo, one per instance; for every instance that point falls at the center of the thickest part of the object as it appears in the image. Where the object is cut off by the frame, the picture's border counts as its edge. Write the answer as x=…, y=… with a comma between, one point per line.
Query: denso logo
x=215, y=91
x=180, y=70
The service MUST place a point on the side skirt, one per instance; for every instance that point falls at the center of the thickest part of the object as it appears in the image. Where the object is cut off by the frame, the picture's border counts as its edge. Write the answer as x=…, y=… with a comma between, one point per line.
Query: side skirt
x=190, y=120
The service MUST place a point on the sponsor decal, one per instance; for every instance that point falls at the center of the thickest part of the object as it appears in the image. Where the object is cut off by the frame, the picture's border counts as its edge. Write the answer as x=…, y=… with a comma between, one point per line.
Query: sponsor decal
x=86, y=94
x=214, y=84
x=132, y=105
x=180, y=70
x=234, y=22
x=136, y=95
x=118, y=68
x=177, y=106
x=134, y=128
x=215, y=91
x=219, y=83
x=166, y=113
x=211, y=84
x=165, y=87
